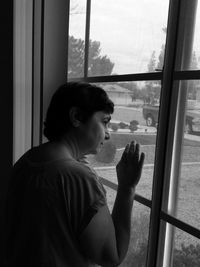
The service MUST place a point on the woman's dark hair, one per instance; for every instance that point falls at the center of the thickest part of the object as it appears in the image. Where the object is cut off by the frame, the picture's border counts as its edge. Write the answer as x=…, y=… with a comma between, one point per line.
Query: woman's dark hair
x=87, y=97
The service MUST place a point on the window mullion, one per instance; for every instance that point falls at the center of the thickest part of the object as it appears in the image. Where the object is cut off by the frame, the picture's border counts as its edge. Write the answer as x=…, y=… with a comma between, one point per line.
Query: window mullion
x=164, y=134
x=87, y=38
x=183, y=58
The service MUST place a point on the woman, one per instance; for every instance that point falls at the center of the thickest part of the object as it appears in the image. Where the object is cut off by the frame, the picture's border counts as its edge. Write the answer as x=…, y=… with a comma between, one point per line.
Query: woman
x=56, y=212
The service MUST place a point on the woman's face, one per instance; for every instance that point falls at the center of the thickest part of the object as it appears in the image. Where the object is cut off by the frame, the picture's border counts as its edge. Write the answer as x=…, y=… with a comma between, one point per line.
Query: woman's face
x=94, y=132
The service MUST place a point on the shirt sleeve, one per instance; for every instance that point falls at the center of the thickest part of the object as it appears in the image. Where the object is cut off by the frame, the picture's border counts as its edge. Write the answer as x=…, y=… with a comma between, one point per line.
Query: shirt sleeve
x=87, y=196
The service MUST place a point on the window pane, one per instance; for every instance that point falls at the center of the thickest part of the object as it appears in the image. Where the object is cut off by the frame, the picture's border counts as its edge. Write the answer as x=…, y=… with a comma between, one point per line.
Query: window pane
x=128, y=36
x=76, y=45
x=195, y=60
x=189, y=197
x=137, y=252
x=180, y=248
x=186, y=250
x=128, y=123
x=188, y=57
x=185, y=179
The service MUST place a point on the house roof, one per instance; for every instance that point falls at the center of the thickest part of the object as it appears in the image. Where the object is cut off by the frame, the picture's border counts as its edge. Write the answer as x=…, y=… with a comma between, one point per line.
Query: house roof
x=115, y=88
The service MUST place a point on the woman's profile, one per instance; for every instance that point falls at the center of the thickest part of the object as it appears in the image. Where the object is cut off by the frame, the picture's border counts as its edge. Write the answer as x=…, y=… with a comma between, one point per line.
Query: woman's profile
x=56, y=213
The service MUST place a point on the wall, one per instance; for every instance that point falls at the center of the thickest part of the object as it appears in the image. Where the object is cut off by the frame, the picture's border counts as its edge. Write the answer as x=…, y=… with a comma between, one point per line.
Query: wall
x=6, y=101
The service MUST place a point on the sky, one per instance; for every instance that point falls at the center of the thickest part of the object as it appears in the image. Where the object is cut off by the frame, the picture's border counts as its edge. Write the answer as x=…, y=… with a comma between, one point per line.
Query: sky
x=129, y=30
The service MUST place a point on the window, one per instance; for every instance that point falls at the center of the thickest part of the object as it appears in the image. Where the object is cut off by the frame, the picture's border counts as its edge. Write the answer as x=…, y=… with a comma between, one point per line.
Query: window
x=146, y=55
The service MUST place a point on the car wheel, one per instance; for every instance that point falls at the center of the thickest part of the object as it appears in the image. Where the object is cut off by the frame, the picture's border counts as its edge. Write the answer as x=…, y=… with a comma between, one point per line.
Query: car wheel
x=150, y=120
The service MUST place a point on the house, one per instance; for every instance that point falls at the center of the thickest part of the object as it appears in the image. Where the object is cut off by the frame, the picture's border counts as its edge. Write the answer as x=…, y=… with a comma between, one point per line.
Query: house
x=118, y=94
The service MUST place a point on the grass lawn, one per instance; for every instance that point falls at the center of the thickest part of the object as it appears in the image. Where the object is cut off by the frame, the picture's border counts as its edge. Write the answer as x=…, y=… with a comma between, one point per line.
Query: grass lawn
x=189, y=184
x=121, y=139
x=190, y=151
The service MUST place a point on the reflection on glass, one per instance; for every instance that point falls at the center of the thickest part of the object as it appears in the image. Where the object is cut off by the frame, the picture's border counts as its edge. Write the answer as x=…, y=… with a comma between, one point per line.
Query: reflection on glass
x=180, y=248
x=186, y=250
x=136, y=255
x=130, y=36
x=76, y=38
x=188, y=57
x=189, y=179
x=195, y=60
x=133, y=101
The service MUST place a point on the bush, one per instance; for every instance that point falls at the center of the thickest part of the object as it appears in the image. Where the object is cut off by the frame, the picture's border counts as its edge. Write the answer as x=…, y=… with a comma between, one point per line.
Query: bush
x=107, y=153
x=114, y=126
x=133, y=125
x=187, y=256
x=123, y=125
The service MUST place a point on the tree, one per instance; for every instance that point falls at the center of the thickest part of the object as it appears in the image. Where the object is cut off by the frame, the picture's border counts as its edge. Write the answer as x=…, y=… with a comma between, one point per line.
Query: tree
x=133, y=88
x=76, y=57
x=193, y=85
x=162, y=53
x=161, y=58
x=152, y=88
x=152, y=62
x=97, y=64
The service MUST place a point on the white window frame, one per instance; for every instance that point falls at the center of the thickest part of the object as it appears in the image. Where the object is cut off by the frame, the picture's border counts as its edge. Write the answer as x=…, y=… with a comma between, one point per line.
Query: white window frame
x=22, y=80
x=41, y=66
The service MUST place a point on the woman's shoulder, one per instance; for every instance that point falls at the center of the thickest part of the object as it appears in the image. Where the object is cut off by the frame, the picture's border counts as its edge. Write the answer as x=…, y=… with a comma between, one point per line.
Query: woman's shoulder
x=77, y=169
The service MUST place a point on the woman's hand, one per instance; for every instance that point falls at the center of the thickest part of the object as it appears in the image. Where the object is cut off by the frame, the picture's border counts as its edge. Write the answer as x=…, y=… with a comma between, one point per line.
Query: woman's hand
x=129, y=168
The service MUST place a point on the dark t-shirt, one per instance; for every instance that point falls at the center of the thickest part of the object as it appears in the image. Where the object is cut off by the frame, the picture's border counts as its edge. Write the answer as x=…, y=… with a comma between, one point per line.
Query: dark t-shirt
x=48, y=207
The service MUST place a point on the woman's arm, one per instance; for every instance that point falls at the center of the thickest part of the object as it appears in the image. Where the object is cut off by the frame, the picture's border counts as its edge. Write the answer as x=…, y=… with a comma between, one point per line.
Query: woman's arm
x=105, y=240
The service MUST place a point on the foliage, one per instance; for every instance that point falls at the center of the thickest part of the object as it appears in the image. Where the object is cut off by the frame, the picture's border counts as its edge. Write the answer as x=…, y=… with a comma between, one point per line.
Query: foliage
x=161, y=58
x=132, y=87
x=193, y=85
x=133, y=125
x=97, y=64
x=150, y=93
x=152, y=87
x=114, y=126
x=152, y=62
x=187, y=256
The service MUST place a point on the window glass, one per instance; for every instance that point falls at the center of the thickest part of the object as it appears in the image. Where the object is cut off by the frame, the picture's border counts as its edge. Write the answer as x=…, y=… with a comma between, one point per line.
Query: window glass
x=184, y=197
x=137, y=252
x=127, y=36
x=135, y=118
x=186, y=250
x=188, y=56
x=195, y=60
x=76, y=45
x=180, y=248
x=189, y=184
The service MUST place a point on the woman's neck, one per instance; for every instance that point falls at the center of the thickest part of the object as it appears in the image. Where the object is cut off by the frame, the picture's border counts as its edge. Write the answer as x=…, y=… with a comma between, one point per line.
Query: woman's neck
x=70, y=146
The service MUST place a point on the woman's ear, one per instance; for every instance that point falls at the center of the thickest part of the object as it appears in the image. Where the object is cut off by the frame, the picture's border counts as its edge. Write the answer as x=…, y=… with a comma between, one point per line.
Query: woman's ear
x=75, y=116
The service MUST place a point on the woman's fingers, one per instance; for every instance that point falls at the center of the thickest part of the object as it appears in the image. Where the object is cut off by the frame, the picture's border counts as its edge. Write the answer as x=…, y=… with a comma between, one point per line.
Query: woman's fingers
x=132, y=153
x=132, y=147
x=125, y=153
x=142, y=157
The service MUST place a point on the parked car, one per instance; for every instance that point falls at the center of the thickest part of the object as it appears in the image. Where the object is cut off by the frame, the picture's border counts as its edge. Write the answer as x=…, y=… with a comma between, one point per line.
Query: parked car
x=192, y=123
